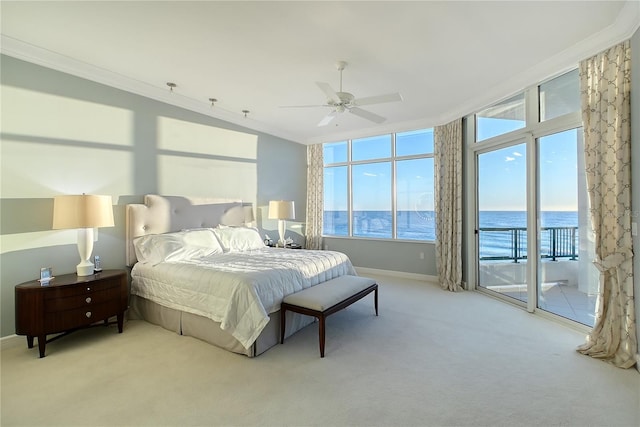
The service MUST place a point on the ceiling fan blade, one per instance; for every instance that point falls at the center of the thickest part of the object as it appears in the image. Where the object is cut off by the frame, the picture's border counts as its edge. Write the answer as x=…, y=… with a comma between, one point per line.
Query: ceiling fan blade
x=367, y=115
x=328, y=118
x=329, y=92
x=380, y=99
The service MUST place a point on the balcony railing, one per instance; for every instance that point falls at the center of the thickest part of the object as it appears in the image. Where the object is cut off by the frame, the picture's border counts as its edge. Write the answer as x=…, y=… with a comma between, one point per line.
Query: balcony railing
x=510, y=243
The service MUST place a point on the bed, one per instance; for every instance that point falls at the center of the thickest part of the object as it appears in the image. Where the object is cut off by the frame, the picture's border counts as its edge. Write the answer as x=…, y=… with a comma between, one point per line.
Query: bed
x=197, y=269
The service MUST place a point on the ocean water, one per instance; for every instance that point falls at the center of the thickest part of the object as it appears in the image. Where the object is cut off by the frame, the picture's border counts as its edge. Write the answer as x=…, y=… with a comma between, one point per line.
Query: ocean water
x=501, y=243
x=412, y=225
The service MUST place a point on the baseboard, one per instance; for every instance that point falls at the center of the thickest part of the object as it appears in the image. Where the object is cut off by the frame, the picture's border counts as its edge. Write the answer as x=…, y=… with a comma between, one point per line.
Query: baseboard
x=10, y=341
x=392, y=273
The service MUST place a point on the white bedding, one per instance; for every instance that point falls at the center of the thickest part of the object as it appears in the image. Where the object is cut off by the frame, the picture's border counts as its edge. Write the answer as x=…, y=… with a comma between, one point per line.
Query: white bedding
x=237, y=289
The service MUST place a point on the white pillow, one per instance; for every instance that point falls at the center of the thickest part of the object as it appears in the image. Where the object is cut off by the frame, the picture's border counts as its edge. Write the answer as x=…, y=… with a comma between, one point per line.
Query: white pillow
x=157, y=248
x=238, y=239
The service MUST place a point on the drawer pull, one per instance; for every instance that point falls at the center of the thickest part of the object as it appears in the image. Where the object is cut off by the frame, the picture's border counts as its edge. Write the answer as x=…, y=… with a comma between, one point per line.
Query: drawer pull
x=88, y=300
x=88, y=289
x=88, y=314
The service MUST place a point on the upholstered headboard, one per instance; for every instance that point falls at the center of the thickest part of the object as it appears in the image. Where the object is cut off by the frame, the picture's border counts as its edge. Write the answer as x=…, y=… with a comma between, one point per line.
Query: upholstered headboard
x=163, y=214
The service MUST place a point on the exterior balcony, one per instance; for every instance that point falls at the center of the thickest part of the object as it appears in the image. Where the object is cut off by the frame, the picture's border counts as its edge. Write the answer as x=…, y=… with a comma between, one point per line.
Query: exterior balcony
x=568, y=282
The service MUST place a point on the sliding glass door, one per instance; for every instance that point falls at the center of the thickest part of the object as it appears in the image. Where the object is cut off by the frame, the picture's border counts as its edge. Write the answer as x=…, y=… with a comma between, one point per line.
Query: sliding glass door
x=533, y=243
x=567, y=280
x=502, y=221
x=551, y=190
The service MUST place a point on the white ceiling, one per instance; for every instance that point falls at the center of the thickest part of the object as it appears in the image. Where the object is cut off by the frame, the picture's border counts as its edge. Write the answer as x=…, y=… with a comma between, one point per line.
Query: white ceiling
x=445, y=58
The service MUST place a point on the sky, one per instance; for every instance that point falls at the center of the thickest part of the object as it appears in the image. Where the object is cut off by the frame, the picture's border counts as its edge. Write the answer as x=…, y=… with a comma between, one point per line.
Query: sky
x=502, y=175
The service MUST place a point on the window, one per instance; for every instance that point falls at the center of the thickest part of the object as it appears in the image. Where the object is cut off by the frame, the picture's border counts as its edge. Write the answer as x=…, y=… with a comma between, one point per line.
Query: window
x=414, y=143
x=559, y=96
x=335, y=152
x=501, y=118
x=336, y=201
x=380, y=187
x=371, y=215
x=415, y=216
x=378, y=147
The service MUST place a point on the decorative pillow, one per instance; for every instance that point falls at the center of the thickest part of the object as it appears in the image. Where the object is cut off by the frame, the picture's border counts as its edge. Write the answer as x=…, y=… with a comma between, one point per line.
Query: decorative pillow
x=157, y=248
x=238, y=239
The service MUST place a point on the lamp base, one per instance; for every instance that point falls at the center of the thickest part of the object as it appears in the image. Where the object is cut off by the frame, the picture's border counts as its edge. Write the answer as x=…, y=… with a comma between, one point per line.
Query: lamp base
x=85, y=268
x=85, y=247
x=282, y=228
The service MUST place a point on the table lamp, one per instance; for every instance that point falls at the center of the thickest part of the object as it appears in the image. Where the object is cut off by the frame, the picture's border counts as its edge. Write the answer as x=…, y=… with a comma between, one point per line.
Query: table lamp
x=281, y=210
x=84, y=212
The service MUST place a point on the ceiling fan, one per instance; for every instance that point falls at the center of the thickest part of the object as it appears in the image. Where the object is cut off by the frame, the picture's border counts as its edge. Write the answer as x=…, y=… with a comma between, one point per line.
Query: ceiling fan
x=341, y=101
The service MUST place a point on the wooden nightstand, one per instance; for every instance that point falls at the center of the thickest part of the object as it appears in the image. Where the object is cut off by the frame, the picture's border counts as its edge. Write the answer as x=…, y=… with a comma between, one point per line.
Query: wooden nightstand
x=69, y=302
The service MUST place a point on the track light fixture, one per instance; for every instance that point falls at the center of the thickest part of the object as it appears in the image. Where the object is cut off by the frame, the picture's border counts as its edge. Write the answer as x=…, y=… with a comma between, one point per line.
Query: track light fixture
x=213, y=101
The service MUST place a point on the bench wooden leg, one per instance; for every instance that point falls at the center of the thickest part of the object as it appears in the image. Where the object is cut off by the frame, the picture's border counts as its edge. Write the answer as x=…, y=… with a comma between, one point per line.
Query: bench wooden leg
x=375, y=299
x=321, y=333
x=283, y=313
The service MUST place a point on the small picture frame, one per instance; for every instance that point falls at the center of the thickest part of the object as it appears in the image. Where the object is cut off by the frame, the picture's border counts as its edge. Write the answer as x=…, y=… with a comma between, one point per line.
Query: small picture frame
x=46, y=275
x=97, y=266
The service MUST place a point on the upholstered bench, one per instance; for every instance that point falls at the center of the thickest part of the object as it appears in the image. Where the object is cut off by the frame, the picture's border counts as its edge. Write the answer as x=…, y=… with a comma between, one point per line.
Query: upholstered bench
x=327, y=298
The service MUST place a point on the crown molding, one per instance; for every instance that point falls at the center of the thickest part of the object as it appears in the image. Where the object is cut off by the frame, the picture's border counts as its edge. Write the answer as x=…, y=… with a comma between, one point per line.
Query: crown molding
x=27, y=52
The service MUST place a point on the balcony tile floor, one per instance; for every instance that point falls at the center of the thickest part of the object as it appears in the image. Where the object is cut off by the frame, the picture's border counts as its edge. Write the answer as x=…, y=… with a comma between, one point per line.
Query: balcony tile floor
x=570, y=302
x=559, y=298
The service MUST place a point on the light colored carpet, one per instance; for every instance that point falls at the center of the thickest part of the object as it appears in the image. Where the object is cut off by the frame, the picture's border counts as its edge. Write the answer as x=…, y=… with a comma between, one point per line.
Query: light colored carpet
x=431, y=358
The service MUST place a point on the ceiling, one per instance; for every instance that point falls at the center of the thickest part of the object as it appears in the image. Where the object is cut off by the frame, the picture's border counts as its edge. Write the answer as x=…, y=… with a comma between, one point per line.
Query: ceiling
x=446, y=59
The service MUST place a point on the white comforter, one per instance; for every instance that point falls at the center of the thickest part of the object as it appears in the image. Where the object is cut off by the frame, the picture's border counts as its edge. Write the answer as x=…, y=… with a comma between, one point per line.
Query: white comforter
x=240, y=289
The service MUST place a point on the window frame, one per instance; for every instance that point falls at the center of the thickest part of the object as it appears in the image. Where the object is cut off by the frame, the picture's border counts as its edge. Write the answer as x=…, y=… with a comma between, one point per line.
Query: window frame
x=534, y=129
x=393, y=159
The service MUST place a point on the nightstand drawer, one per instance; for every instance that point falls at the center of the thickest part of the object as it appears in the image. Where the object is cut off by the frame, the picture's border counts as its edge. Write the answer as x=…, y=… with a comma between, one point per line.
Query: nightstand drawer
x=82, y=299
x=81, y=289
x=70, y=319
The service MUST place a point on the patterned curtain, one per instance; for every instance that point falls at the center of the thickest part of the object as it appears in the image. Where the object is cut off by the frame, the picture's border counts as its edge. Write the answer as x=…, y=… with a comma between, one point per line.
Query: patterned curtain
x=315, y=186
x=605, y=81
x=448, y=201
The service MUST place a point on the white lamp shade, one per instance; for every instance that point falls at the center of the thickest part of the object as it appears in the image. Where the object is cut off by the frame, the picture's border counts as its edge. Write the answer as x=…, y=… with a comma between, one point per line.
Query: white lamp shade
x=282, y=209
x=82, y=211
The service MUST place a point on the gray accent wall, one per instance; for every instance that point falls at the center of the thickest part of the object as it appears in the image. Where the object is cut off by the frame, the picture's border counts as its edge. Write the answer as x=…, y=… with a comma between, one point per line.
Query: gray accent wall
x=635, y=171
x=405, y=257
x=67, y=135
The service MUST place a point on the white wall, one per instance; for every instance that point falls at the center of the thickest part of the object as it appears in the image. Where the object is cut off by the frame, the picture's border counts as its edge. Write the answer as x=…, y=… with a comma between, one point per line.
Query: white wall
x=65, y=135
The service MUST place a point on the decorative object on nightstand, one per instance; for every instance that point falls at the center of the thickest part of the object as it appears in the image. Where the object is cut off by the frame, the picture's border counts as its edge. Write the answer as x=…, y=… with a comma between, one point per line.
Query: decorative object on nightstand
x=46, y=275
x=84, y=212
x=97, y=265
x=281, y=210
x=69, y=302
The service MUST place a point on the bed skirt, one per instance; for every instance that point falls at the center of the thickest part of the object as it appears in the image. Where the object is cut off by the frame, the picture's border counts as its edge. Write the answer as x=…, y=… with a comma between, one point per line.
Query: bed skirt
x=205, y=329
